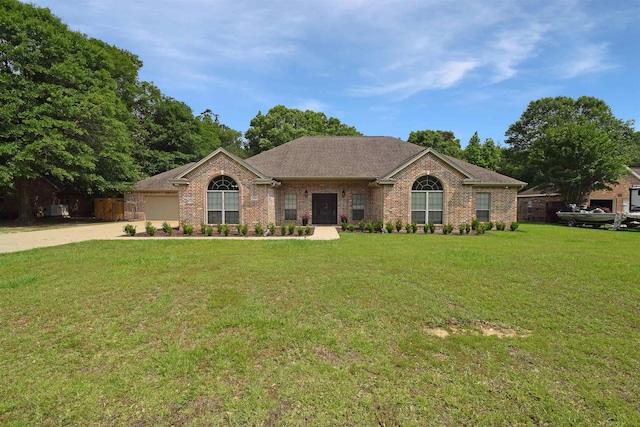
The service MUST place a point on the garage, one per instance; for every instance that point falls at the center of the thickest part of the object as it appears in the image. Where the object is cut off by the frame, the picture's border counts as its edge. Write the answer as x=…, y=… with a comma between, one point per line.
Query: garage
x=161, y=208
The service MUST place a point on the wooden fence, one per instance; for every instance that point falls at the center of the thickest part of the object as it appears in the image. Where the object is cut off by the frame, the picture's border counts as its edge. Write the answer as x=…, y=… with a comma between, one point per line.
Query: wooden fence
x=109, y=209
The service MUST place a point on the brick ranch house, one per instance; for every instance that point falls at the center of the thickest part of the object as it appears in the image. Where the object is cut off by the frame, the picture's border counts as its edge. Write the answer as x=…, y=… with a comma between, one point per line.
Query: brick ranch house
x=538, y=205
x=324, y=178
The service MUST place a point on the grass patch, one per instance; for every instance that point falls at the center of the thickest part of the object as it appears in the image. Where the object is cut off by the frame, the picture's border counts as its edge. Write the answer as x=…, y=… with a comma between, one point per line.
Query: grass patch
x=211, y=332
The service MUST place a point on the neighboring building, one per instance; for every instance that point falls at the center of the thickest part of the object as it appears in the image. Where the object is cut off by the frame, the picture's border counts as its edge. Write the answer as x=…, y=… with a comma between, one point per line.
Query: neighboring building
x=363, y=178
x=542, y=205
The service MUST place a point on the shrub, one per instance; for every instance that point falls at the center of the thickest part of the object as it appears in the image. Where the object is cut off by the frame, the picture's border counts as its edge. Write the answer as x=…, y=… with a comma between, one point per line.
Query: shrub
x=447, y=229
x=272, y=228
x=407, y=227
x=130, y=229
x=300, y=231
x=258, y=229
x=488, y=226
x=362, y=225
x=462, y=227
x=432, y=227
x=219, y=228
x=414, y=227
x=226, y=229
x=467, y=228
x=344, y=225
x=370, y=227
x=149, y=228
x=514, y=226
x=292, y=227
x=244, y=229
x=480, y=229
x=187, y=228
x=283, y=229
x=351, y=227
x=166, y=227
x=203, y=228
x=389, y=227
x=474, y=223
x=307, y=230
x=209, y=230
x=343, y=218
x=501, y=226
x=398, y=225
x=378, y=226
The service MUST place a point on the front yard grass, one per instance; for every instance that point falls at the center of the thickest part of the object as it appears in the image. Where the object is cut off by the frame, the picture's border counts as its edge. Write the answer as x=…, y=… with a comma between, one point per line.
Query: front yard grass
x=211, y=332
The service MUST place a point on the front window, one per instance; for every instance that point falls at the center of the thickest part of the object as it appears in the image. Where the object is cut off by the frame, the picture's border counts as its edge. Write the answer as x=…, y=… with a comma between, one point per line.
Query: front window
x=483, y=207
x=427, y=201
x=290, y=207
x=358, y=207
x=223, y=201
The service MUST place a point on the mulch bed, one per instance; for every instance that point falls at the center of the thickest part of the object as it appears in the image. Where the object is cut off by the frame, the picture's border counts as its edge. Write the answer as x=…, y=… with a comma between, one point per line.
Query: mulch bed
x=197, y=234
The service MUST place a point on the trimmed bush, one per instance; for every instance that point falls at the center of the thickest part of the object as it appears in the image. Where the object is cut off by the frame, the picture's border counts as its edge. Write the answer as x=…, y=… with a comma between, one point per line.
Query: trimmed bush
x=474, y=224
x=149, y=228
x=300, y=231
x=307, y=230
x=244, y=229
x=187, y=228
x=432, y=227
x=480, y=229
x=467, y=228
x=166, y=227
x=389, y=226
x=209, y=230
x=219, y=228
x=378, y=226
x=258, y=229
x=283, y=229
x=398, y=225
x=203, y=228
x=501, y=226
x=488, y=226
x=291, y=227
x=370, y=227
x=344, y=225
x=414, y=227
x=514, y=226
x=226, y=229
x=351, y=227
x=447, y=229
x=362, y=225
x=130, y=229
x=462, y=227
x=272, y=228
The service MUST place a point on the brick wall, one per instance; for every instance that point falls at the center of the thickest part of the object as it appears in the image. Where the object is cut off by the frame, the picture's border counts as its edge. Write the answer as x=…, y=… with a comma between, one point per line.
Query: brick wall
x=459, y=198
x=254, y=199
x=619, y=193
x=345, y=204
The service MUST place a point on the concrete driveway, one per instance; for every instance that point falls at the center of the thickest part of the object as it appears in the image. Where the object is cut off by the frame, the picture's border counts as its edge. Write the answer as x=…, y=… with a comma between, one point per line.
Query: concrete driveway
x=22, y=241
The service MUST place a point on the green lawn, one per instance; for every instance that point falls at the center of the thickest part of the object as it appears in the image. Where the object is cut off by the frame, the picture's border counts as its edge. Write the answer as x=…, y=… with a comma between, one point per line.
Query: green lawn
x=221, y=332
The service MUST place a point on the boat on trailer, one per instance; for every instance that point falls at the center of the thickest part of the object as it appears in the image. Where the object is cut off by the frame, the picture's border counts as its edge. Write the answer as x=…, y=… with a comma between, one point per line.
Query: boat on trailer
x=595, y=217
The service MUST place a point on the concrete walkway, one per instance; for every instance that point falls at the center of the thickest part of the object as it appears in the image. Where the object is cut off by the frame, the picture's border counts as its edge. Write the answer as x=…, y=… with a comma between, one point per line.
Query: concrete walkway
x=22, y=241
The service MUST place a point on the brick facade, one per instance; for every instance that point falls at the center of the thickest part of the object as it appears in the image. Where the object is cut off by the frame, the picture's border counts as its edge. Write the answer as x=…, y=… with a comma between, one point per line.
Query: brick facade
x=263, y=199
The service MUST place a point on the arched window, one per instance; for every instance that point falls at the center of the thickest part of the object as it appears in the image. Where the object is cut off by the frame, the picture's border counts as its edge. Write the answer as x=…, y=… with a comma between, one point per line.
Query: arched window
x=427, y=200
x=223, y=201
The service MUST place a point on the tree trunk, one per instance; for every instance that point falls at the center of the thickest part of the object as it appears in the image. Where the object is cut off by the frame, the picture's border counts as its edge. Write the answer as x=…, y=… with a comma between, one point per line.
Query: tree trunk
x=26, y=214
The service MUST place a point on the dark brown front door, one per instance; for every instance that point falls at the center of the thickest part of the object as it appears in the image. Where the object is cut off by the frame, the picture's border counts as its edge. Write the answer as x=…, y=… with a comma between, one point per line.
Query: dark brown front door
x=325, y=208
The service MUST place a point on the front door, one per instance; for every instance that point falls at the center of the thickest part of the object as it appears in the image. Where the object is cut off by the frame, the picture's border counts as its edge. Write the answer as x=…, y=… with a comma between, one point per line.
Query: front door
x=325, y=208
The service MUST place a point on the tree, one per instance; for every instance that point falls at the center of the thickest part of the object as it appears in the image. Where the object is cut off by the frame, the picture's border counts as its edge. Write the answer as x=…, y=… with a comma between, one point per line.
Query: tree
x=473, y=151
x=577, y=146
x=443, y=141
x=215, y=134
x=64, y=108
x=282, y=124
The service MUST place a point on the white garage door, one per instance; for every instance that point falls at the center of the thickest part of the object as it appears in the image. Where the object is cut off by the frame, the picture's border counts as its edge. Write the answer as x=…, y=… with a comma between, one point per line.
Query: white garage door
x=161, y=208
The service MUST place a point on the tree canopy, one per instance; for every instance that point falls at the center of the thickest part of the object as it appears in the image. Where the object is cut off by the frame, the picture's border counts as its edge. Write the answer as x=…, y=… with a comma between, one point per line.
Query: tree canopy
x=282, y=124
x=64, y=101
x=443, y=141
x=577, y=146
x=487, y=155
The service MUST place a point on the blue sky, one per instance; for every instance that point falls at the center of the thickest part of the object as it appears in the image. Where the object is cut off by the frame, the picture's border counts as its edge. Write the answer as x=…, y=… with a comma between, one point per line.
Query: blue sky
x=387, y=67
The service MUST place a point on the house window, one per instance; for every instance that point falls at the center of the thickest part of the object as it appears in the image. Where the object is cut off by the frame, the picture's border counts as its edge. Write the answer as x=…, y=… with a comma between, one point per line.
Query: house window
x=223, y=201
x=483, y=203
x=427, y=200
x=290, y=207
x=358, y=207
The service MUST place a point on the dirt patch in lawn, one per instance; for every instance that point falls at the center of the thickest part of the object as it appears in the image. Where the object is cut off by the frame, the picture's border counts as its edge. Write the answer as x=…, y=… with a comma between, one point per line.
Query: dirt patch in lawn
x=477, y=327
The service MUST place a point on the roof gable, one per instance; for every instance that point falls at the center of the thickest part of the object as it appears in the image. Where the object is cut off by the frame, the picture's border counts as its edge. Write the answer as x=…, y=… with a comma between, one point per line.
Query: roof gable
x=160, y=182
x=220, y=151
x=326, y=157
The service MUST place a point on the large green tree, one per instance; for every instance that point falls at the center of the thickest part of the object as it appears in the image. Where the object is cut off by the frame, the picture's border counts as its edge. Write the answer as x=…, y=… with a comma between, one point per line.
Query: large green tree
x=487, y=155
x=64, y=105
x=443, y=141
x=577, y=146
x=282, y=124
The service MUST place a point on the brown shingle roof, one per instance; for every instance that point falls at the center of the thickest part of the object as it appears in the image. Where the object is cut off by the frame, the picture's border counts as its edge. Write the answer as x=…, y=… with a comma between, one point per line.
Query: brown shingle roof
x=481, y=174
x=160, y=182
x=365, y=157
